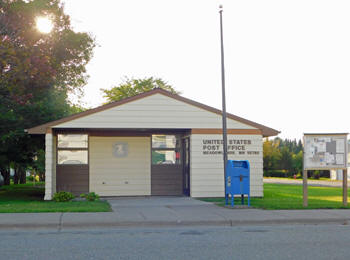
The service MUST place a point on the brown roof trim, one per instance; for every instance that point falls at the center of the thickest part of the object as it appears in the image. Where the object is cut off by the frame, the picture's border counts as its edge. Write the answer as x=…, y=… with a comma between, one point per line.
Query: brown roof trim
x=41, y=129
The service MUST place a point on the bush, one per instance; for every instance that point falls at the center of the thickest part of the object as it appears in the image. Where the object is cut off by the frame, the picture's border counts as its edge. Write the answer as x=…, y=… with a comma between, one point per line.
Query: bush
x=316, y=175
x=275, y=173
x=92, y=196
x=63, y=196
x=325, y=174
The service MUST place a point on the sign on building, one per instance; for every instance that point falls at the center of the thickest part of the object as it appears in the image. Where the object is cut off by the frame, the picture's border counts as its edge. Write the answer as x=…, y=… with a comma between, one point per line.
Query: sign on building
x=120, y=149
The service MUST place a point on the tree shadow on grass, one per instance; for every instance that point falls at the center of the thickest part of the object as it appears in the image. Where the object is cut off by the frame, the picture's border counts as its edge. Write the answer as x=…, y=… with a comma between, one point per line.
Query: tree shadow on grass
x=21, y=193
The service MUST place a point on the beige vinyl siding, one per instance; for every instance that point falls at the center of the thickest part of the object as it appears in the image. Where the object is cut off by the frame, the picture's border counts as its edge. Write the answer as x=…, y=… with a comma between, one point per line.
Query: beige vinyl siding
x=207, y=174
x=155, y=111
x=125, y=176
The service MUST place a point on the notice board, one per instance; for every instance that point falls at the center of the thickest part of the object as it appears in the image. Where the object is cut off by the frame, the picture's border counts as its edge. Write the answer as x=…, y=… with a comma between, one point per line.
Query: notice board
x=325, y=151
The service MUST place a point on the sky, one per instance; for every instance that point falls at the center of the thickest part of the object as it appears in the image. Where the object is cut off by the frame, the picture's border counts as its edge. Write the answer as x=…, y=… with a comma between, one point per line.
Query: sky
x=287, y=63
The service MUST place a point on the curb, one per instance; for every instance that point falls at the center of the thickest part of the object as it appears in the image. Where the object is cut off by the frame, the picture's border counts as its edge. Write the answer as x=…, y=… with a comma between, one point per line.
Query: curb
x=232, y=223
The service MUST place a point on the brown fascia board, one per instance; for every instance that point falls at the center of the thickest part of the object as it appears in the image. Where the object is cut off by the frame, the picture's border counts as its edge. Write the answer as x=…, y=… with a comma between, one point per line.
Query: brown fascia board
x=41, y=129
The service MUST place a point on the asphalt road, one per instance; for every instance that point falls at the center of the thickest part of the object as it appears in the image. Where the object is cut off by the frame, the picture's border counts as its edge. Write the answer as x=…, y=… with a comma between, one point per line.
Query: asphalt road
x=246, y=242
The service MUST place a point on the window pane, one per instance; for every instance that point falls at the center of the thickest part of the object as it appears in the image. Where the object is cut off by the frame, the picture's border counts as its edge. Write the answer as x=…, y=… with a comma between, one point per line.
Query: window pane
x=72, y=141
x=165, y=141
x=72, y=157
x=165, y=157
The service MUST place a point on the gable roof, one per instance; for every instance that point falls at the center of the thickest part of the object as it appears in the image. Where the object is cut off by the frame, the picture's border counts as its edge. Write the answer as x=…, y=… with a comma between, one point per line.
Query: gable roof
x=41, y=129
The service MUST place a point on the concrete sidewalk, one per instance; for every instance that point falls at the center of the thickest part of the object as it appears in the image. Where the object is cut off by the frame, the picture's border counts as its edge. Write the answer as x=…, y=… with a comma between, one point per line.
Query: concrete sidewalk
x=172, y=211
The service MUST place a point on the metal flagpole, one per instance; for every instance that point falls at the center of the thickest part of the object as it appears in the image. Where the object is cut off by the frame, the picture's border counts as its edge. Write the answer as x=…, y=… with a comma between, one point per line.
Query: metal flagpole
x=224, y=124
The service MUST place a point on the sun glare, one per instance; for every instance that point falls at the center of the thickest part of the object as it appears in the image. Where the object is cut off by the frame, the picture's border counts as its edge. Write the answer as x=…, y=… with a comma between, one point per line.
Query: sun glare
x=44, y=24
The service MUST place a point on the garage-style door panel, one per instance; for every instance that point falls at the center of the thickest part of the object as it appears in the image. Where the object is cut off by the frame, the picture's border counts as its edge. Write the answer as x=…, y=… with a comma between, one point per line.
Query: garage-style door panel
x=127, y=174
x=166, y=180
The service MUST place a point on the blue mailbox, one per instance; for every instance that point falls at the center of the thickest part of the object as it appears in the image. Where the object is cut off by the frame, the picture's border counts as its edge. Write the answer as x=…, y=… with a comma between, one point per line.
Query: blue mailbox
x=237, y=180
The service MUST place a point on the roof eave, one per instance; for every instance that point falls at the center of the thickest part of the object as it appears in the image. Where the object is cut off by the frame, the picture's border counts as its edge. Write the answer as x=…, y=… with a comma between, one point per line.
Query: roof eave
x=41, y=129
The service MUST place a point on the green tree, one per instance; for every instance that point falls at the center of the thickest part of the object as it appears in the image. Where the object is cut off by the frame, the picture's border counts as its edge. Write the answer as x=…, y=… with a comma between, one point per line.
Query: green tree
x=37, y=72
x=132, y=87
x=285, y=160
x=39, y=164
x=283, y=155
x=298, y=162
x=271, y=154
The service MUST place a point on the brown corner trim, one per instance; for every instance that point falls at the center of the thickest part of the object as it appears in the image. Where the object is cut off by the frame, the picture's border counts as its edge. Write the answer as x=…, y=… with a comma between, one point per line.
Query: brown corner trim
x=229, y=131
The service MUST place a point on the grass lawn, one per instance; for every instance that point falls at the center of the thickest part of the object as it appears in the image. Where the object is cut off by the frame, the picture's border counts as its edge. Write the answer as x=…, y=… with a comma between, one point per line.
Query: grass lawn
x=25, y=198
x=286, y=196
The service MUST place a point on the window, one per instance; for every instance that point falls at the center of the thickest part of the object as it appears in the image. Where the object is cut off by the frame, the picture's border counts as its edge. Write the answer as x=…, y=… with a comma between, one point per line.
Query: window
x=72, y=141
x=72, y=157
x=166, y=149
x=163, y=141
x=72, y=149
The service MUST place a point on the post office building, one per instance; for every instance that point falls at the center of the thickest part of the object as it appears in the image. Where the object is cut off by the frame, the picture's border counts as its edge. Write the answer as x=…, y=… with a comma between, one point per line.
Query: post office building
x=155, y=143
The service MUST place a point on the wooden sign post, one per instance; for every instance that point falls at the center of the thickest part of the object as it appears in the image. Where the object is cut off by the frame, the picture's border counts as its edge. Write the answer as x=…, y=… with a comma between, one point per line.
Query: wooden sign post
x=305, y=198
x=345, y=187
